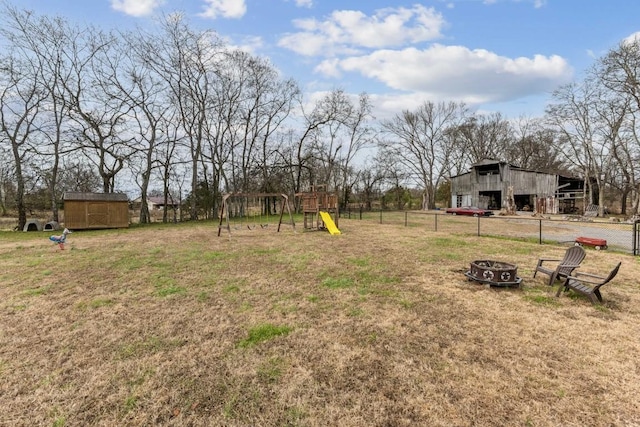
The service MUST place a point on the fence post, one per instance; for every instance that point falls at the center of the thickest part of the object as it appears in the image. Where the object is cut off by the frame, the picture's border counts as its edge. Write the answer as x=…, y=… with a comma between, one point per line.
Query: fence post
x=360, y=212
x=539, y=231
x=380, y=215
x=635, y=250
x=436, y=217
x=478, y=226
x=406, y=219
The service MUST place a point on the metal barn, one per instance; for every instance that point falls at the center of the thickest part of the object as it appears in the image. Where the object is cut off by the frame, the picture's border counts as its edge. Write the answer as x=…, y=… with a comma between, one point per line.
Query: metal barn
x=487, y=185
x=95, y=210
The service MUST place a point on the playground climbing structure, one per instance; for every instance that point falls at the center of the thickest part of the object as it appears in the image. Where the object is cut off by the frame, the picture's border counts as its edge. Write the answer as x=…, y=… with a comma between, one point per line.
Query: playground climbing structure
x=318, y=206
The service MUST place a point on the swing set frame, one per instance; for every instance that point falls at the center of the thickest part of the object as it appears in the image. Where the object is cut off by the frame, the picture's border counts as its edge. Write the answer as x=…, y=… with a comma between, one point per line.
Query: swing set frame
x=226, y=202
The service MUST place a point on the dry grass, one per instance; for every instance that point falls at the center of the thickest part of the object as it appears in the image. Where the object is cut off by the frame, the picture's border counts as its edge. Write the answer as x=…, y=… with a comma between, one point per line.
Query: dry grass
x=172, y=325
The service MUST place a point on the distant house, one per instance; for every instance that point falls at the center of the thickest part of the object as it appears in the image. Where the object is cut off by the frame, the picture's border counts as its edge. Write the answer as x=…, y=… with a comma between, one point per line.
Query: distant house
x=156, y=203
x=95, y=210
x=487, y=184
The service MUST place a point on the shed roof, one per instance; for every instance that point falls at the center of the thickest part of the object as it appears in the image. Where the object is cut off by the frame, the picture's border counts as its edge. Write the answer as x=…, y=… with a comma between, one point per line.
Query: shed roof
x=102, y=197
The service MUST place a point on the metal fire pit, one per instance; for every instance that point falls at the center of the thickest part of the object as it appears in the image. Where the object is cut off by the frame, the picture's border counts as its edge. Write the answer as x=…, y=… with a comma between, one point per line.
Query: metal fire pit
x=494, y=273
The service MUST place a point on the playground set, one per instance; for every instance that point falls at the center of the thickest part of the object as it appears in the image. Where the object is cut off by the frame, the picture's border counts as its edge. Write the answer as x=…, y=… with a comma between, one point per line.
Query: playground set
x=250, y=210
x=318, y=206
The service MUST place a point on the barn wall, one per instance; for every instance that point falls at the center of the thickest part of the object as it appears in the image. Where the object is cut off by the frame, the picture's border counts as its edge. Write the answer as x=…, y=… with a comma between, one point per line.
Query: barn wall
x=462, y=184
x=488, y=183
x=494, y=180
x=528, y=182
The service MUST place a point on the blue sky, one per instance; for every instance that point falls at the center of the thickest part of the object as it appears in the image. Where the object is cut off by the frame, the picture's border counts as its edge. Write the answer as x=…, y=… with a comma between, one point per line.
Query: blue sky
x=495, y=55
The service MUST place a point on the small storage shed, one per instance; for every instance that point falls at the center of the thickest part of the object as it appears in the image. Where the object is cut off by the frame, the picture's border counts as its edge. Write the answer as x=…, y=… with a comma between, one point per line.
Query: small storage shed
x=95, y=210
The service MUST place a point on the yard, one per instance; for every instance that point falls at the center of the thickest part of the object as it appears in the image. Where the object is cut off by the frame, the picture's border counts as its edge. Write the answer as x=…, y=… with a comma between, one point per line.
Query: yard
x=172, y=325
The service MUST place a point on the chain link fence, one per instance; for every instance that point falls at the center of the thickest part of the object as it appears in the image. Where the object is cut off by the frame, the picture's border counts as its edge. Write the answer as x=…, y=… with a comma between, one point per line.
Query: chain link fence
x=618, y=236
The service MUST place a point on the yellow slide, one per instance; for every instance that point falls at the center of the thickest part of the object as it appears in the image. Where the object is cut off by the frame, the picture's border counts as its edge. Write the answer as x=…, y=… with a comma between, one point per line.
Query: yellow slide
x=328, y=222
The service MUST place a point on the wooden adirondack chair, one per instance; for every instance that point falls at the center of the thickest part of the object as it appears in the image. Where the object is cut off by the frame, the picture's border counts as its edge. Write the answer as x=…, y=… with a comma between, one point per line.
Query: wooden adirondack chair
x=588, y=284
x=565, y=266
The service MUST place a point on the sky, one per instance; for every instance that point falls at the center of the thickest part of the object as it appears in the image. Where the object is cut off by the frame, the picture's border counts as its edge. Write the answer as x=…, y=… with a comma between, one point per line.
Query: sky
x=503, y=56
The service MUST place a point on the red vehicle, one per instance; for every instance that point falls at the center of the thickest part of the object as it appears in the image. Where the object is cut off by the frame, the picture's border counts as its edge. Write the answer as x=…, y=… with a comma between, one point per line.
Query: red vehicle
x=469, y=210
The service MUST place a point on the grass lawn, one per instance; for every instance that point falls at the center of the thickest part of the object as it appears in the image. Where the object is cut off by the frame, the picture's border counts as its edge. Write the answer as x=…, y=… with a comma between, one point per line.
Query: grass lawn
x=172, y=325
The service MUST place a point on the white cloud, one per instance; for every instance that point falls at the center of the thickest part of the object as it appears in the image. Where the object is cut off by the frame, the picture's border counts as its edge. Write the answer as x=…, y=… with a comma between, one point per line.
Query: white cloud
x=250, y=44
x=225, y=8
x=136, y=8
x=388, y=105
x=304, y=3
x=536, y=3
x=458, y=73
x=329, y=68
x=633, y=38
x=347, y=31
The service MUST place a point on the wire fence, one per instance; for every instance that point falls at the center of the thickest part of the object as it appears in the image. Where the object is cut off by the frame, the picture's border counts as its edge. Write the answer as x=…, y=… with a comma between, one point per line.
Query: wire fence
x=616, y=236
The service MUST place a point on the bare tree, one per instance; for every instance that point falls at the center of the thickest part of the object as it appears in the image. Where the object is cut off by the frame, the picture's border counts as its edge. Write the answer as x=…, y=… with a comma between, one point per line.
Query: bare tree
x=625, y=176
x=21, y=99
x=586, y=131
x=276, y=110
x=327, y=144
x=420, y=141
x=395, y=176
x=303, y=152
x=188, y=61
x=534, y=147
x=336, y=144
x=169, y=162
x=359, y=134
x=145, y=94
x=79, y=177
x=6, y=173
x=484, y=136
x=44, y=40
x=266, y=102
x=371, y=178
x=99, y=119
x=619, y=72
x=270, y=103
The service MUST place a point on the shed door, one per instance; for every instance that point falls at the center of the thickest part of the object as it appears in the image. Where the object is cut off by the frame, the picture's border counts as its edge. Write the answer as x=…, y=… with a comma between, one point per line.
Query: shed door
x=97, y=214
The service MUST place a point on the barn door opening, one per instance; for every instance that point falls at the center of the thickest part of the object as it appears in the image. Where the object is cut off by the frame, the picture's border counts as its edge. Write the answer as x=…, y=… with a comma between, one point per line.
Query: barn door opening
x=490, y=200
x=524, y=202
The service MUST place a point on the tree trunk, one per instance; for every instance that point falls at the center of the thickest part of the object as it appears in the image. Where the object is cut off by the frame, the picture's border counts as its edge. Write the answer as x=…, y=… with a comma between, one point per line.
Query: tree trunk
x=601, y=199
